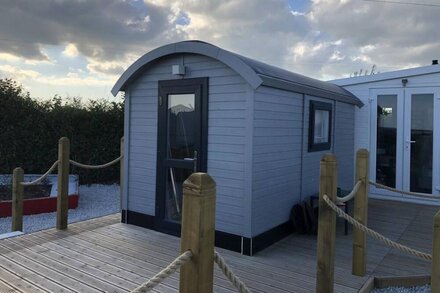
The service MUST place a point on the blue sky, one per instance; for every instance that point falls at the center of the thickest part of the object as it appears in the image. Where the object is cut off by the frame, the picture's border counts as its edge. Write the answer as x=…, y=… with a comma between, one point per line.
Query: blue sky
x=79, y=48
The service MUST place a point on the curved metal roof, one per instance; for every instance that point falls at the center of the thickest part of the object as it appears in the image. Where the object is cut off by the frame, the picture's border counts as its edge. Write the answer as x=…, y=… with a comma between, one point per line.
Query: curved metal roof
x=254, y=72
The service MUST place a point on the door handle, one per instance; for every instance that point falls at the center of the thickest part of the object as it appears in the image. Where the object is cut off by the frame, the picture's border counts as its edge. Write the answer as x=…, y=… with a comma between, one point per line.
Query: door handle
x=411, y=141
x=194, y=160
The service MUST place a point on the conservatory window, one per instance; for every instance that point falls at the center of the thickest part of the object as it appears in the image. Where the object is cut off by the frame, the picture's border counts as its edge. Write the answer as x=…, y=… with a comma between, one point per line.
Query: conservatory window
x=320, y=118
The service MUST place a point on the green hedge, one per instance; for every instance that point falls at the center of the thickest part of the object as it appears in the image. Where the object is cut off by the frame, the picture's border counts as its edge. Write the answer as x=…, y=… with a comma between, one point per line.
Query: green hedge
x=30, y=129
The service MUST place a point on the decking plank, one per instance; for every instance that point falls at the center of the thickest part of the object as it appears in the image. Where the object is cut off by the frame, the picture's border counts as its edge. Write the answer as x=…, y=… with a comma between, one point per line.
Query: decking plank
x=102, y=254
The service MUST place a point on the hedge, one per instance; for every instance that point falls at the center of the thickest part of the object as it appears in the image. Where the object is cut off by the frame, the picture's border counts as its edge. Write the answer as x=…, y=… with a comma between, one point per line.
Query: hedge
x=30, y=129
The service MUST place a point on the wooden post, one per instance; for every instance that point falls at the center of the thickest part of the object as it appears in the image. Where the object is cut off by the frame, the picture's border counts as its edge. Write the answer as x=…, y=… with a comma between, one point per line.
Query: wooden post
x=326, y=225
x=359, y=266
x=63, y=183
x=121, y=175
x=17, y=200
x=198, y=232
x=435, y=274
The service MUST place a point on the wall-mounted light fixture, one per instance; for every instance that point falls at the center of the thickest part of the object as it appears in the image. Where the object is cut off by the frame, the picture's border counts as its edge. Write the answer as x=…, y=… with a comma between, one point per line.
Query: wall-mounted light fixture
x=178, y=70
x=404, y=81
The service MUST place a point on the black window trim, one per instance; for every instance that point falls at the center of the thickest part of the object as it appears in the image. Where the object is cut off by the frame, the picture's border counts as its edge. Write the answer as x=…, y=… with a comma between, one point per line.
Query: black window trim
x=316, y=105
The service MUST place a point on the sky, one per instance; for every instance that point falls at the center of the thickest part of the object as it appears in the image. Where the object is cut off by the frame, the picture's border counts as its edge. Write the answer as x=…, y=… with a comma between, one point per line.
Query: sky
x=79, y=48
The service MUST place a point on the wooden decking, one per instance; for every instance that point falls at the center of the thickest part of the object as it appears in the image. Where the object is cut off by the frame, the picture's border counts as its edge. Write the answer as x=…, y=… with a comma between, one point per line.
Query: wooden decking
x=102, y=255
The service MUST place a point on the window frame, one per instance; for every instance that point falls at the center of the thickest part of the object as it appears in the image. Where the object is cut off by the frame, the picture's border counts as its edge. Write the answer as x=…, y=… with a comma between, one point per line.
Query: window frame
x=323, y=106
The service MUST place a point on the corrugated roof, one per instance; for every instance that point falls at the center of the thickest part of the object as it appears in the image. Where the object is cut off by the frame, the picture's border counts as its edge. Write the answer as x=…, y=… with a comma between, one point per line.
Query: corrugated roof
x=256, y=73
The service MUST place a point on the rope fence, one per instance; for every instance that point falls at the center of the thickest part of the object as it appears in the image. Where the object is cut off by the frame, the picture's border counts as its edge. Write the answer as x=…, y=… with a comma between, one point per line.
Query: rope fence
x=74, y=163
x=238, y=284
x=165, y=273
x=44, y=176
x=63, y=165
x=351, y=195
x=375, y=234
x=381, y=186
x=85, y=166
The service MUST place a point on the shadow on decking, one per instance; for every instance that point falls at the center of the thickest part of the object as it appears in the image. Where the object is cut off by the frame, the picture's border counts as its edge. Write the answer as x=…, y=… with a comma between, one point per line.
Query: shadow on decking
x=104, y=255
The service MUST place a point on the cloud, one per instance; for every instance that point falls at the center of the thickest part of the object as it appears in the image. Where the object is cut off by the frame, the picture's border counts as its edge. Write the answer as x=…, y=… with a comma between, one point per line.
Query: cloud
x=327, y=39
x=71, y=50
x=100, y=29
x=389, y=35
x=106, y=68
x=19, y=74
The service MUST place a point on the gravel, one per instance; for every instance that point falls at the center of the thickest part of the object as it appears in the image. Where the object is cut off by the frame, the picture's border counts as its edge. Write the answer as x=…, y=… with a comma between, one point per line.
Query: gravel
x=95, y=200
x=421, y=289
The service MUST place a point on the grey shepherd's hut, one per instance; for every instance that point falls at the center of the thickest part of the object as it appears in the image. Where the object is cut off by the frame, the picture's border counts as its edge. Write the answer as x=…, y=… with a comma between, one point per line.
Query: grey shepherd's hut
x=258, y=130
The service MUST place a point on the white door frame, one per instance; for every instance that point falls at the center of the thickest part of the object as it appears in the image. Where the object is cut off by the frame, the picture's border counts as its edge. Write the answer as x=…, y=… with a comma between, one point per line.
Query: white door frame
x=403, y=151
x=435, y=91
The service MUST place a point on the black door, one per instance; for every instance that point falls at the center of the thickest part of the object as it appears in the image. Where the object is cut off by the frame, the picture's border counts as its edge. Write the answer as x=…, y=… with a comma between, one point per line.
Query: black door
x=181, y=145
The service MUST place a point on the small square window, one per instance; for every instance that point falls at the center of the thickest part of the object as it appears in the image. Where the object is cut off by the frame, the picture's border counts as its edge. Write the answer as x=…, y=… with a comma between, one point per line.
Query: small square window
x=320, y=118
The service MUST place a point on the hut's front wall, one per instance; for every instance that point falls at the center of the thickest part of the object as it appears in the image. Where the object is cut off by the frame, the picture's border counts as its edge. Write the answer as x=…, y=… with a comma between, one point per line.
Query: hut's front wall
x=227, y=112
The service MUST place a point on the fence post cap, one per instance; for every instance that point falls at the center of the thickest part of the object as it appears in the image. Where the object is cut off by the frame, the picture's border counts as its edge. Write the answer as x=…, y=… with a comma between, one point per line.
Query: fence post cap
x=362, y=153
x=329, y=157
x=63, y=139
x=200, y=184
x=18, y=169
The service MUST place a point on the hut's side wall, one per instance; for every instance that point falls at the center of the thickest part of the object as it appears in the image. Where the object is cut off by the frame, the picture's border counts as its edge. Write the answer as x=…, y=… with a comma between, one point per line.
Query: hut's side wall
x=342, y=145
x=276, y=156
x=310, y=169
x=228, y=95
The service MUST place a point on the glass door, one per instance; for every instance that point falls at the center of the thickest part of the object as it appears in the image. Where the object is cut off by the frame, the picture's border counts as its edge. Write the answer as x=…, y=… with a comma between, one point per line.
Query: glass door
x=387, y=113
x=405, y=140
x=421, y=139
x=181, y=148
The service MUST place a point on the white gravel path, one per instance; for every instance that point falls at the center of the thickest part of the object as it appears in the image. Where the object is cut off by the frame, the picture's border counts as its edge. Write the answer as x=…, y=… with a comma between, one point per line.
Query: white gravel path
x=95, y=200
x=421, y=289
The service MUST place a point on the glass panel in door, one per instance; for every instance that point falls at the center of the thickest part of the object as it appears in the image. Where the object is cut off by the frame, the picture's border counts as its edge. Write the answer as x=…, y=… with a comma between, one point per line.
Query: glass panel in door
x=181, y=143
x=421, y=142
x=181, y=122
x=386, y=140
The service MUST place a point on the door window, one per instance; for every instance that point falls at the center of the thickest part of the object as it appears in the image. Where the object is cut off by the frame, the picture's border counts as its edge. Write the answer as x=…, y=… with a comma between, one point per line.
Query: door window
x=386, y=143
x=421, y=143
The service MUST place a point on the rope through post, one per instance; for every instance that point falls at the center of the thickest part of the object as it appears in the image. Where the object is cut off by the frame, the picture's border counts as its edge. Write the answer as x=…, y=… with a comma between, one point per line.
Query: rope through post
x=326, y=226
x=17, y=200
x=360, y=213
x=198, y=232
x=63, y=183
x=435, y=265
x=165, y=273
x=375, y=234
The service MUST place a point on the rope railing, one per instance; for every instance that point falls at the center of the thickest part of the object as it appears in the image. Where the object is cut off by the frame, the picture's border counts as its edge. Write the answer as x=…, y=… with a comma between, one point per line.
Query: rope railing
x=375, y=234
x=238, y=284
x=85, y=166
x=381, y=186
x=351, y=195
x=44, y=176
x=165, y=273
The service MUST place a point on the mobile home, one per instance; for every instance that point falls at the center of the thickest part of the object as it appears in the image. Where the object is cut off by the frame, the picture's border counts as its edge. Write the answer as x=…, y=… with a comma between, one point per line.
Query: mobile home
x=400, y=125
x=258, y=130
